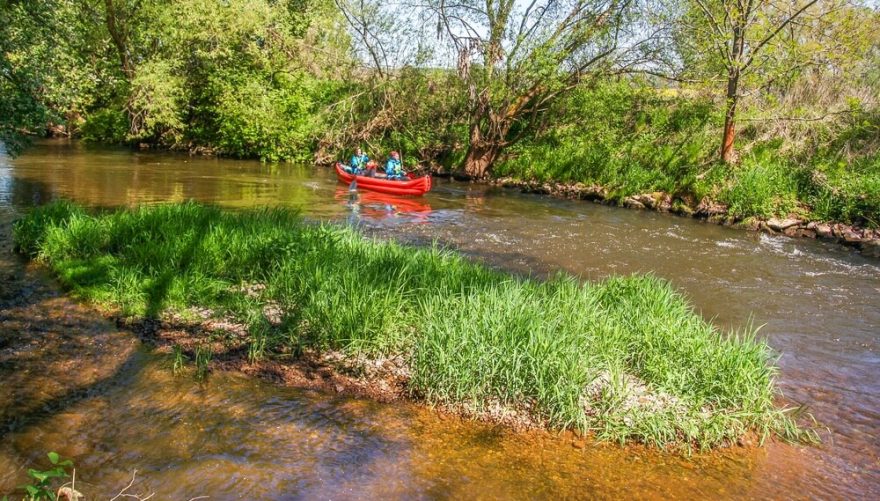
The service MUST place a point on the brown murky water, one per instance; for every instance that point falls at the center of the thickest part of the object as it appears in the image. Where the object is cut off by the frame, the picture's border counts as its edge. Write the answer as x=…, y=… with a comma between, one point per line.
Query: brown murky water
x=73, y=383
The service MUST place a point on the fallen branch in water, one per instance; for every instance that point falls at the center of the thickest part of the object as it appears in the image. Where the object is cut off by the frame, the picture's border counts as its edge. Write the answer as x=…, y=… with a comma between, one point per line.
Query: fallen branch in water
x=123, y=494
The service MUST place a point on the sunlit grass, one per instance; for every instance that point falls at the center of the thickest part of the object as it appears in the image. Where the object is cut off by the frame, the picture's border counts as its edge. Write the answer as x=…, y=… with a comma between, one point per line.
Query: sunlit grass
x=632, y=140
x=471, y=335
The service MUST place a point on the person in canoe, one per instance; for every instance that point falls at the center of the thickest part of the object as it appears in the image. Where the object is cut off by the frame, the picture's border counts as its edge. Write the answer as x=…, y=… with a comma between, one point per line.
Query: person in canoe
x=359, y=162
x=394, y=169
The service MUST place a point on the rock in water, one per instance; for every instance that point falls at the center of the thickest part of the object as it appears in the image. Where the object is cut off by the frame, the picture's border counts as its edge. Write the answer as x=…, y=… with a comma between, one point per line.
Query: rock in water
x=781, y=224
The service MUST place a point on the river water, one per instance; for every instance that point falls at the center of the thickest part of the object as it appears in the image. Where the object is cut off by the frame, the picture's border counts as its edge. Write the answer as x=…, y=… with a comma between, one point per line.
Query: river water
x=118, y=407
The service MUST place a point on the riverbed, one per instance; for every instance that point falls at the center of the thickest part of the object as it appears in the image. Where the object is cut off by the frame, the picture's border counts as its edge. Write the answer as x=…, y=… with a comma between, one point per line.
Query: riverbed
x=78, y=385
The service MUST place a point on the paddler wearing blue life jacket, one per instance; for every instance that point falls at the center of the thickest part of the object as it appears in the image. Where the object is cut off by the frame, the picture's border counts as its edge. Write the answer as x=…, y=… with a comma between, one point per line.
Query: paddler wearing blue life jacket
x=393, y=167
x=359, y=162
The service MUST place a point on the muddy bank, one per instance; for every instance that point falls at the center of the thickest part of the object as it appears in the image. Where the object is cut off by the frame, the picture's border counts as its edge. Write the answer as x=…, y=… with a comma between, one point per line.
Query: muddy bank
x=866, y=240
x=383, y=380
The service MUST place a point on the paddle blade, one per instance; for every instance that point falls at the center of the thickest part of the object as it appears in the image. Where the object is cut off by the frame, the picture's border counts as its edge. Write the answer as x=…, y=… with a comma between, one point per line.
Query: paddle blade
x=353, y=186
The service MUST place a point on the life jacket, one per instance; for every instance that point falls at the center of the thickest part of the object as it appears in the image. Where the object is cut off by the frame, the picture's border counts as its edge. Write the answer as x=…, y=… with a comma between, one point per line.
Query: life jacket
x=359, y=162
x=393, y=167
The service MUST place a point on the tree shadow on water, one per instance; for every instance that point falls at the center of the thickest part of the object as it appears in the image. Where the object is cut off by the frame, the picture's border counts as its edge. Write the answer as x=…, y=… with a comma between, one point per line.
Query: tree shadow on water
x=54, y=353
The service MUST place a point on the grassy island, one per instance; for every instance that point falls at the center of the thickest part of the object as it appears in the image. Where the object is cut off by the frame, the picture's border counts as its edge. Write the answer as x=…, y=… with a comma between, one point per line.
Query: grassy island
x=625, y=358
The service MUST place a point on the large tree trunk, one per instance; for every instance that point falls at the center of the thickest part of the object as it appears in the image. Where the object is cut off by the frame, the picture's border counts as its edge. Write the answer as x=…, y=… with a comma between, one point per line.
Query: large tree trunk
x=480, y=156
x=479, y=159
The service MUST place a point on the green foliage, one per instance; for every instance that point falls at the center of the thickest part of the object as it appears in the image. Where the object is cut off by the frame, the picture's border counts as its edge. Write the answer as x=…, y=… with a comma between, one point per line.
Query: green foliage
x=31, y=231
x=429, y=124
x=50, y=71
x=25, y=64
x=179, y=359
x=41, y=486
x=268, y=119
x=626, y=137
x=471, y=336
x=761, y=186
x=107, y=125
x=158, y=96
x=238, y=77
x=631, y=139
x=837, y=191
x=203, y=358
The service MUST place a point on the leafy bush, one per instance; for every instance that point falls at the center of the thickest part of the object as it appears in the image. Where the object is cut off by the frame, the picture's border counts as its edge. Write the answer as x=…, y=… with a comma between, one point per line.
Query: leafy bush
x=258, y=117
x=158, y=98
x=106, y=125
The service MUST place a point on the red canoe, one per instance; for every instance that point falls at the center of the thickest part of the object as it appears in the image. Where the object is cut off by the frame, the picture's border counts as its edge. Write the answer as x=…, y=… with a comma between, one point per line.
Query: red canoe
x=415, y=185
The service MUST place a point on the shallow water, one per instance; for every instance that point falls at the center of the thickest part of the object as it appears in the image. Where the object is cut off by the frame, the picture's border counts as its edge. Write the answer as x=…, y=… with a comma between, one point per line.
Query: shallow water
x=233, y=437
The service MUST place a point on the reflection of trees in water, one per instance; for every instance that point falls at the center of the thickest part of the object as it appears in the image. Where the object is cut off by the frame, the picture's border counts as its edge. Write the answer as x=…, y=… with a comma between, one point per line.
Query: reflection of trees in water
x=120, y=177
x=474, y=202
x=22, y=193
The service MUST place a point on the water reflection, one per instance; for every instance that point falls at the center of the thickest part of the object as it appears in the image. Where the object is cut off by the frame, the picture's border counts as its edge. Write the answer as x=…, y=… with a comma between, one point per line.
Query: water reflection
x=375, y=206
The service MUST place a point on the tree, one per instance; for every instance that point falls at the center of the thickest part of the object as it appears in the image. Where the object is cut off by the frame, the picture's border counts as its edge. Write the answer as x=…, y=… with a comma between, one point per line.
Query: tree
x=41, y=77
x=242, y=77
x=517, y=58
x=735, y=41
x=21, y=105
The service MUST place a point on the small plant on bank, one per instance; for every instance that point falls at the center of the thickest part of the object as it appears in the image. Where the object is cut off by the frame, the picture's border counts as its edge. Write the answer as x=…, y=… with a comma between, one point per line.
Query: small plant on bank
x=203, y=361
x=259, y=343
x=42, y=481
x=179, y=359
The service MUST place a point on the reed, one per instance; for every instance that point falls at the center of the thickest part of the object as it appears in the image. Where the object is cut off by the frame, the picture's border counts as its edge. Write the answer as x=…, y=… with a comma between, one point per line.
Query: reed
x=626, y=358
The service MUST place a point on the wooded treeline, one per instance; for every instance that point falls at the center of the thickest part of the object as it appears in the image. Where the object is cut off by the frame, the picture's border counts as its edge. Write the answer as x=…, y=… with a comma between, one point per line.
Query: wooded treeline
x=768, y=106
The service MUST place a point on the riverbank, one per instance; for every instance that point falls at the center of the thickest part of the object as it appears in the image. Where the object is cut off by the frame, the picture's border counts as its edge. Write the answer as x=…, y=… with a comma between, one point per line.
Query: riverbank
x=626, y=358
x=866, y=240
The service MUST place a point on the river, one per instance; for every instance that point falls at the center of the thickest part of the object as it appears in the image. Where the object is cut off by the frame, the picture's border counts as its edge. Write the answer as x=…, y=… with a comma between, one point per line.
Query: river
x=84, y=388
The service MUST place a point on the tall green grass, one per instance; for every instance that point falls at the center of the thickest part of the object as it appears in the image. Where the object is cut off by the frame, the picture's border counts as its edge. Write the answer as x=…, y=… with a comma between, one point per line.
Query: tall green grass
x=633, y=139
x=471, y=335
x=628, y=139
x=762, y=186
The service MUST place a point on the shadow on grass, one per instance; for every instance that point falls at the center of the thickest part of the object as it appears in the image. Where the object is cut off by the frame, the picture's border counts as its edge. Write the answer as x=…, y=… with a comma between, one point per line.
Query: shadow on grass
x=157, y=292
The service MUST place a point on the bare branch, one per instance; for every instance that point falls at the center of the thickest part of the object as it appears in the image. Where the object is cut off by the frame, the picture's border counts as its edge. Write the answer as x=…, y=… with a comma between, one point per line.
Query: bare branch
x=123, y=493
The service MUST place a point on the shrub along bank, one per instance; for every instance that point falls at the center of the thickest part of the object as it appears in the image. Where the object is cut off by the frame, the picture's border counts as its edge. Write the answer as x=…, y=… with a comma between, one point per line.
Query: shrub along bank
x=626, y=358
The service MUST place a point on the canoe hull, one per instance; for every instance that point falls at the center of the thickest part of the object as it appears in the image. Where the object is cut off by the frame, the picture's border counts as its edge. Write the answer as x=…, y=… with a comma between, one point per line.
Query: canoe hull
x=415, y=186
